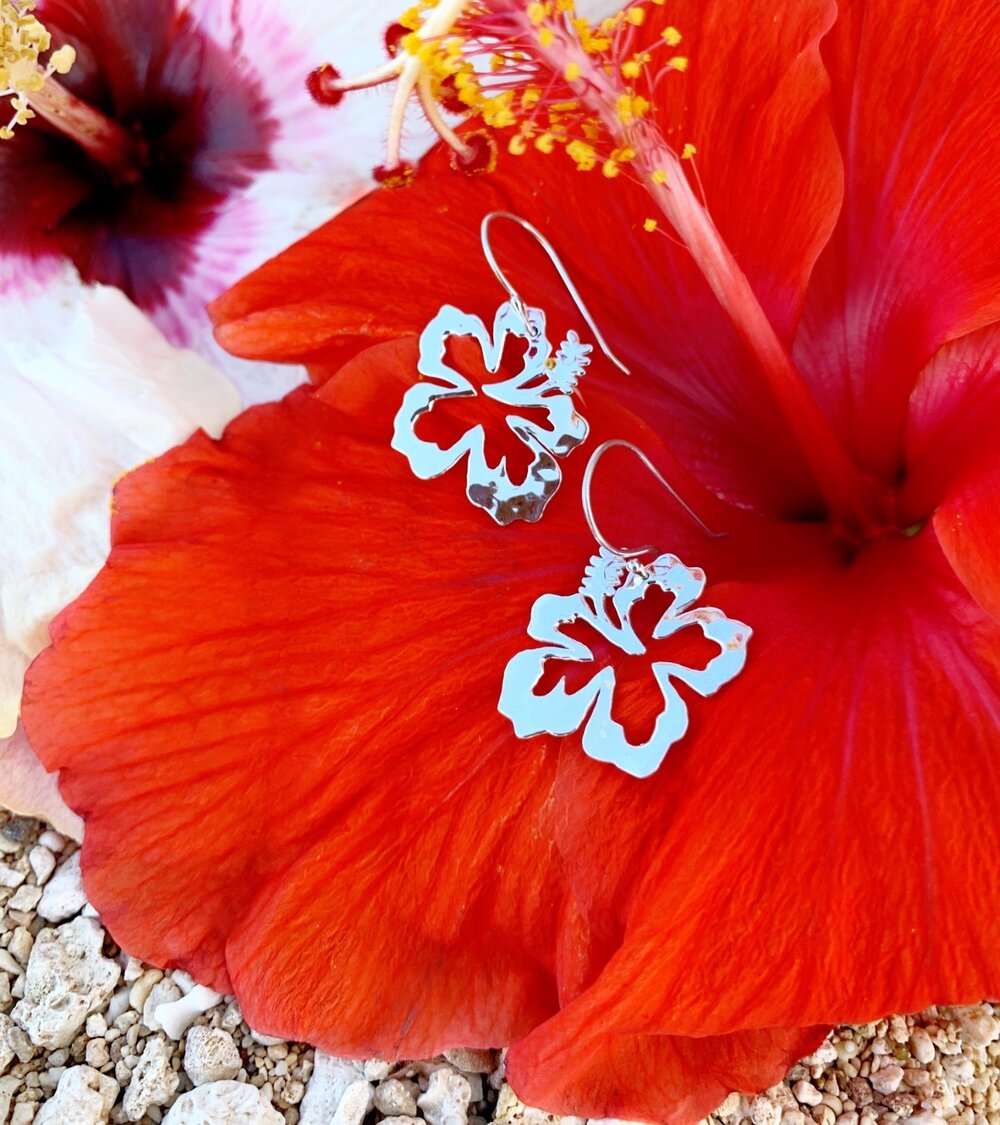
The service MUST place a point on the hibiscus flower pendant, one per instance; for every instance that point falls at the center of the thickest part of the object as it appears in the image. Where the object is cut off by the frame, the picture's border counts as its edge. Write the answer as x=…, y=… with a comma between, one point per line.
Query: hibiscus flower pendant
x=612, y=587
x=544, y=386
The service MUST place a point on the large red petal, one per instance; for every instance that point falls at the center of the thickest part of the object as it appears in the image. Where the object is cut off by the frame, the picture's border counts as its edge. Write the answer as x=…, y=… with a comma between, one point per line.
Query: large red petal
x=290, y=668
x=815, y=864
x=754, y=98
x=665, y=1078
x=912, y=263
x=968, y=525
x=313, y=690
x=953, y=419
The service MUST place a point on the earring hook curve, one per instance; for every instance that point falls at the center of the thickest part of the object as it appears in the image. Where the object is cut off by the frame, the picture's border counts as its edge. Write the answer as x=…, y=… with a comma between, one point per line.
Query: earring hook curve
x=588, y=508
x=515, y=297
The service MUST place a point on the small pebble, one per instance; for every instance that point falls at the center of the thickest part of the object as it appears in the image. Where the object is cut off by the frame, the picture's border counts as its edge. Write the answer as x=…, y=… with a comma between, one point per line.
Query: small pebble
x=42, y=863
x=67, y=979
x=8, y=964
x=64, y=895
x=446, y=1099
x=83, y=1097
x=806, y=1093
x=887, y=1079
x=176, y=1016
x=765, y=1111
x=162, y=993
x=397, y=1098
x=223, y=1103
x=960, y=1069
x=210, y=1055
x=153, y=1081
x=471, y=1060
x=921, y=1046
x=24, y=898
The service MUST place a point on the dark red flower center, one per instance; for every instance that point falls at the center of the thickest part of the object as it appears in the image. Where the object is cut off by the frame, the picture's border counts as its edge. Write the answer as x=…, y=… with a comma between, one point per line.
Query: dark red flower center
x=180, y=125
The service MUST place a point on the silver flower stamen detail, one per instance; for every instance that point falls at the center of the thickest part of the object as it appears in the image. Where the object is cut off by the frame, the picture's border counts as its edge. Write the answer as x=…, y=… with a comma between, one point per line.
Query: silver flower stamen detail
x=546, y=383
x=611, y=588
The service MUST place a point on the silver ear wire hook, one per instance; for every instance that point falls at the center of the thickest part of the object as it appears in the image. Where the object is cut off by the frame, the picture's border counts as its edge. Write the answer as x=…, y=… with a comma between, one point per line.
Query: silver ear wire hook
x=588, y=508
x=515, y=297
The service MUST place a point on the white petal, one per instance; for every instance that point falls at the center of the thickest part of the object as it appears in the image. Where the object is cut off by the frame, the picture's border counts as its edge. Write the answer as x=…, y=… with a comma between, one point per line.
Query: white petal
x=322, y=157
x=27, y=787
x=88, y=389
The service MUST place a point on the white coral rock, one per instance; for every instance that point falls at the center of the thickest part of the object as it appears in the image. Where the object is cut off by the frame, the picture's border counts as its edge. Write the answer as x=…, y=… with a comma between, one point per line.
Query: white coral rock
x=84, y=1096
x=67, y=978
x=154, y=1082
x=223, y=1103
x=64, y=895
x=210, y=1055
x=446, y=1099
x=331, y=1079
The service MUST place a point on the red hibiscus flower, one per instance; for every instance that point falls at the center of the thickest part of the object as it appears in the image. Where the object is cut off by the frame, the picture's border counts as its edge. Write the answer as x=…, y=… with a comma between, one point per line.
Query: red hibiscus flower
x=277, y=706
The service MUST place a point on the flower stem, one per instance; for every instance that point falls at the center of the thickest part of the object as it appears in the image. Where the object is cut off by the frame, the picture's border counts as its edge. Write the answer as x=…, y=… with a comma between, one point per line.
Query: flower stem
x=105, y=141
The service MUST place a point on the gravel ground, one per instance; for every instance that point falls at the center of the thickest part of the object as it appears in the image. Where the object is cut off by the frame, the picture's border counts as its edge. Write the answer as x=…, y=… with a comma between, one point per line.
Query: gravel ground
x=89, y=1036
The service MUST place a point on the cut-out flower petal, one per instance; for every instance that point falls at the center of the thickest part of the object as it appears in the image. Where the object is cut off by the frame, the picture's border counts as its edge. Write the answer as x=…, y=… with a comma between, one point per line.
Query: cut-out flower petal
x=544, y=384
x=610, y=590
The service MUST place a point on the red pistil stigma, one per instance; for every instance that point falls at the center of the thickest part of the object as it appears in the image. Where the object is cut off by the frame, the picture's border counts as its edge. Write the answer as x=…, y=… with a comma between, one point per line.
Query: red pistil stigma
x=394, y=34
x=398, y=176
x=480, y=155
x=322, y=85
x=447, y=95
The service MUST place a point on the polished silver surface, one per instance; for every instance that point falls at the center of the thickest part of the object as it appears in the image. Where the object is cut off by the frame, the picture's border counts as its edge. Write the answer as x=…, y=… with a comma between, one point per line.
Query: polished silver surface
x=544, y=386
x=612, y=586
x=546, y=383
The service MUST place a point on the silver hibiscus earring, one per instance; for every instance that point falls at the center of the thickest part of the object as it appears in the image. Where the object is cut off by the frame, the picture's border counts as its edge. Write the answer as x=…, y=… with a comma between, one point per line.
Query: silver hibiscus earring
x=614, y=582
x=544, y=387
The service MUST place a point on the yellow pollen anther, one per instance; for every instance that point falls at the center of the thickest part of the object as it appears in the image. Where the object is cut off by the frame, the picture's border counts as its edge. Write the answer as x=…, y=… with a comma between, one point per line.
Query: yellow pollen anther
x=547, y=76
x=650, y=225
x=583, y=155
x=22, y=39
x=62, y=60
x=688, y=151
